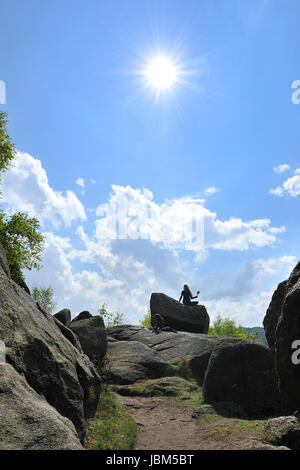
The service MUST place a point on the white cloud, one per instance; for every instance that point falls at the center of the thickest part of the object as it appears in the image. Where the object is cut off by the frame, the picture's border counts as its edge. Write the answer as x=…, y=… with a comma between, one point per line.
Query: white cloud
x=178, y=224
x=248, y=280
x=124, y=272
x=290, y=187
x=80, y=182
x=210, y=191
x=26, y=188
x=281, y=168
x=245, y=300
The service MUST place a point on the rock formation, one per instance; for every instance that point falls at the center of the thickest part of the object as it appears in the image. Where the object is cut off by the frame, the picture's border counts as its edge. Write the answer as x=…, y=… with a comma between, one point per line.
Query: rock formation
x=82, y=316
x=242, y=372
x=273, y=313
x=28, y=421
x=52, y=365
x=133, y=361
x=64, y=316
x=92, y=337
x=288, y=331
x=190, y=318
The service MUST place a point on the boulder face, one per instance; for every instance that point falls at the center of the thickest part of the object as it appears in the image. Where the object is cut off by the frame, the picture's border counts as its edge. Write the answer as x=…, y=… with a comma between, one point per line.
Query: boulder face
x=194, y=348
x=28, y=421
x=190, y=318
x=50, y=363
x=82, y=316
x=92, y=337
x=133, y=361
x=242, y=372
x=284, y=431
x=273, y=313
x=64, y=316
x=288, y=332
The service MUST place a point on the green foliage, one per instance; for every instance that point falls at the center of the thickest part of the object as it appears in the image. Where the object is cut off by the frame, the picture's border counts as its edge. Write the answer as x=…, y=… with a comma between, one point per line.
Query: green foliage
x=22, y=242
x=228, y=327
x=112, y=428
x=110, y=319
x=44, y=296
x=7, y=148
x=146, y=321
x=19, y=234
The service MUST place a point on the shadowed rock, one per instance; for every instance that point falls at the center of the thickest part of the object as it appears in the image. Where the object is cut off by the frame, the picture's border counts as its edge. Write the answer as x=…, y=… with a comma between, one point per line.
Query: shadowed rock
x=133, y=361
x=284, y=431
x=82, y=316
x=190, y=318
x=273, y=313
x=28, y=421
x=172, y=347
x=64, y=316
x=288, y=331
x=92, y=337
x=51, y=364
x=242, y=372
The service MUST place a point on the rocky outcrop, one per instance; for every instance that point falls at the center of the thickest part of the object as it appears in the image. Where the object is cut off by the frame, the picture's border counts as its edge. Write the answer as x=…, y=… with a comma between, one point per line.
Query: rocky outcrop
x=273, y=313
x=50, y=363
x=190, y=318
x=64, y=316
x=133, y=361
x=4, y=263
x=92, y=336
x=82, y=316
x=284, y=431
x=287, y=332
x=28, y=421
x=172, y=347
x=242, y=372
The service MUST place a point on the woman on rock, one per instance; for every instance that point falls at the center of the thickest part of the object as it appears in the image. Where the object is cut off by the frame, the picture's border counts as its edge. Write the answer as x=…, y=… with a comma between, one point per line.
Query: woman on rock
x=187, y=295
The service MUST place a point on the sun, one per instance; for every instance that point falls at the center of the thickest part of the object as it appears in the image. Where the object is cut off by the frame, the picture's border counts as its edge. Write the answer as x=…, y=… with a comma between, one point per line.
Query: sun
x=161, y=73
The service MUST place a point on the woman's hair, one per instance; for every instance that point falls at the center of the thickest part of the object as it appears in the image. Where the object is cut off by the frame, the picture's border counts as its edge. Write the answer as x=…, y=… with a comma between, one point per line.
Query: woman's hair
x=186, y=287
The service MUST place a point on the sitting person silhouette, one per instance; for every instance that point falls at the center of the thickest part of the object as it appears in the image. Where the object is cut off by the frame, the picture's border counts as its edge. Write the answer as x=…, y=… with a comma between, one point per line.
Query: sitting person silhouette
x=158, y=323
x=186, y=296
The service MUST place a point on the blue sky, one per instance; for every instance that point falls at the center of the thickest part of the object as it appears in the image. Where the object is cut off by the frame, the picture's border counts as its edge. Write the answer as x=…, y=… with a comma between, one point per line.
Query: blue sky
x=89, y=133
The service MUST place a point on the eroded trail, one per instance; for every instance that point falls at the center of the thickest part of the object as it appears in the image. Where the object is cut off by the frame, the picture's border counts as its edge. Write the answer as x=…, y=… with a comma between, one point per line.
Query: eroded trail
x=164, y=425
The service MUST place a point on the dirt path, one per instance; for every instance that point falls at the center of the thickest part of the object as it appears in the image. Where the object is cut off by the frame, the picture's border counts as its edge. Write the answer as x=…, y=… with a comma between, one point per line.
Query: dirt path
x=161, y=425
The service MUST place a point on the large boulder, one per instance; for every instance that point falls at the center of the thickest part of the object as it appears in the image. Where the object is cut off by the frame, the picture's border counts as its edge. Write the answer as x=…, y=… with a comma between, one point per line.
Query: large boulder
x=242, y=372
x=28, y=421
x=287, y=332
x=82, y=316
x=284, y=431
x=191, y=318
x=50, y=363
x=3, y=262
x=273, y=313
x=194, y=348
x=64, y=316
x=92, y=337
x=133, y=361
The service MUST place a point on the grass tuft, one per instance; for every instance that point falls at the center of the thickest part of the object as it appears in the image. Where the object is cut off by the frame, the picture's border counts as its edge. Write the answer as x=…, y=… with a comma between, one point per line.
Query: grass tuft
x=112, y=428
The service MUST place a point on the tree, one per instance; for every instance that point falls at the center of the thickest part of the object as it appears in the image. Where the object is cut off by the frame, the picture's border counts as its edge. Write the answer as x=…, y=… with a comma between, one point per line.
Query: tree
x=44, y=296
x=146, y=321
x=110, y=319
x=7, y=148
x=19, y=233
x=228, y=327
x=22, y=243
